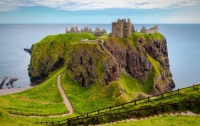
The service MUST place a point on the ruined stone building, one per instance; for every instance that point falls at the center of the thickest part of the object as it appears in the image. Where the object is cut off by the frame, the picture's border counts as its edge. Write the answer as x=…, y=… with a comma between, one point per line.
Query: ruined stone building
x=72, y=30
x=122, y=28
x=151, y=30
x=86, y=29
x=97, y=32
x=97, y=29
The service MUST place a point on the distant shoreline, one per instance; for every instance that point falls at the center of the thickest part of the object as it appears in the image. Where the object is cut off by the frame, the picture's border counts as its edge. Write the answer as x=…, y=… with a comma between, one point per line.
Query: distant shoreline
x=13, y=90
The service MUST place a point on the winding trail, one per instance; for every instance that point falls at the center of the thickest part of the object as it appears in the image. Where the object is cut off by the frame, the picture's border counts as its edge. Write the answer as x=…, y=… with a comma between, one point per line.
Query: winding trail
x=65, y=99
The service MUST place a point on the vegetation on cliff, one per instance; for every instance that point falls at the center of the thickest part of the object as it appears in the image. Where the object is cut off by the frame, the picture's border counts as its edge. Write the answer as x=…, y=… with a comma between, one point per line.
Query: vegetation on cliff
x=109, y=71
x=94, y=75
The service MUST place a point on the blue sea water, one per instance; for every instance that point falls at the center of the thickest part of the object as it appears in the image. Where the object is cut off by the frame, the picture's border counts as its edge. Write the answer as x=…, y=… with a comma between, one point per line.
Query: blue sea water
x=183, y=46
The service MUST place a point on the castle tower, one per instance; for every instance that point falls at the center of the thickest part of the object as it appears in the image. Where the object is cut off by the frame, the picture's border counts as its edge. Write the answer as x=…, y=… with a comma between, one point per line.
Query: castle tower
x=121, y=28
x=127, y=28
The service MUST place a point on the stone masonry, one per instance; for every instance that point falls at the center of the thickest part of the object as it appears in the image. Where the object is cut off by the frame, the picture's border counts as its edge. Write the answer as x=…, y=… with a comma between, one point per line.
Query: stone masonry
x=151, y=30
x=122, y=28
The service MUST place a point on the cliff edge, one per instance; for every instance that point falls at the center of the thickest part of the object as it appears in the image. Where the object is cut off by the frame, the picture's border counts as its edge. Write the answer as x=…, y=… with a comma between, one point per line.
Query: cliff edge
x=142, y=57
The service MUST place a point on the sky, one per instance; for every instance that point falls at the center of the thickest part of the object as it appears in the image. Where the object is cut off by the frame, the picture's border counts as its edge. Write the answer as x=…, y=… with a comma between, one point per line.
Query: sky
x=99, y=11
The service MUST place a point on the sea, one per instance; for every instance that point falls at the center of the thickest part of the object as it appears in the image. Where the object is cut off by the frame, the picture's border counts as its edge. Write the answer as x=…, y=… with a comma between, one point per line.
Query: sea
x=183, y=41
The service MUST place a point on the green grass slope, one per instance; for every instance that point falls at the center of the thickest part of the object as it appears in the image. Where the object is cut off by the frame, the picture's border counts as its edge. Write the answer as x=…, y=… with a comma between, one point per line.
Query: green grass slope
x=183, y=95
x=164, y=121
x=42, y=99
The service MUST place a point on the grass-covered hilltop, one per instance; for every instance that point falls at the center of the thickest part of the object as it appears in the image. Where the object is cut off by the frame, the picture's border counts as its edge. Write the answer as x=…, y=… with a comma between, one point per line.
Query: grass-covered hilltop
x=105, y=78
x=110, y=69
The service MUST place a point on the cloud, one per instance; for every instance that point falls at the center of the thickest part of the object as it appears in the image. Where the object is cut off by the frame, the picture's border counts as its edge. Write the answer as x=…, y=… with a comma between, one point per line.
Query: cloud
x=73, y=5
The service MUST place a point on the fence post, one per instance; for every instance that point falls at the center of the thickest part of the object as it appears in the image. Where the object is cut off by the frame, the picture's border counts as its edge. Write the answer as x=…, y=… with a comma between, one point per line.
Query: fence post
x=148, y=98
x=77, y=117
x=162, y=108
x=68, y=122
x=87, y=115
x=162, y=95
x=193, y=87
x=97, y=119
x=178, y=90
x=135, y=102
x=110, y=107
x=98, y=111
x=122, y=105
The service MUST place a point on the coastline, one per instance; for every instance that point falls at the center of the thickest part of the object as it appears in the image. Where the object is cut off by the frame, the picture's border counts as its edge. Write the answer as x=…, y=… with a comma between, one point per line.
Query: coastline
x=13, y=90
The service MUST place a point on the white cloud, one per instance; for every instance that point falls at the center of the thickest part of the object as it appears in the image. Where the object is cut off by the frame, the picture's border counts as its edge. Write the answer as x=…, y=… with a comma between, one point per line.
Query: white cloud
x=12, y=5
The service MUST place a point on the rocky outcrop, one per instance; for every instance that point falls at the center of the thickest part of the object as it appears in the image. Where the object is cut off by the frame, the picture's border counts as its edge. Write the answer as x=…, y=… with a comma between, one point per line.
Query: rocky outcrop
x=9, y=83
x=142, y=56
x=90, y=64
x=134, y=60
x=82, y=65
x=27, y=50
x=130, y=60
x=3, y=81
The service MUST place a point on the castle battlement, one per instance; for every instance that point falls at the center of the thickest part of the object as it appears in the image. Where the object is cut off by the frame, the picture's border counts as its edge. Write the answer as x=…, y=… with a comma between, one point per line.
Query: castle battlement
x=122, y=28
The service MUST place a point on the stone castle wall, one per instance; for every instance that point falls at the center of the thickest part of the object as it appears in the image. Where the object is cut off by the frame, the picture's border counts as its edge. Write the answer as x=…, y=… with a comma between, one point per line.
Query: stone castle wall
x=151, y=30
x=86, y=29
x=127, y=29
x=117, y=29
x=121, y=28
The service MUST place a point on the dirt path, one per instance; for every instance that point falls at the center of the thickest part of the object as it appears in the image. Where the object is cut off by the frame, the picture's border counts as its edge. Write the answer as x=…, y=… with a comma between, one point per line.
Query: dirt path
x=65, y=99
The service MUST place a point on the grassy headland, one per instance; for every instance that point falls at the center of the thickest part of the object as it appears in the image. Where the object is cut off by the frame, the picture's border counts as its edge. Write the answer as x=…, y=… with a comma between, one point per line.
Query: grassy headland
x=86, y=68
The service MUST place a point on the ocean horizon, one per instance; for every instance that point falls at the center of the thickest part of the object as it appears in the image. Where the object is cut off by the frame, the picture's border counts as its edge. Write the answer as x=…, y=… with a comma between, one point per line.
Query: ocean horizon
x=183, y=41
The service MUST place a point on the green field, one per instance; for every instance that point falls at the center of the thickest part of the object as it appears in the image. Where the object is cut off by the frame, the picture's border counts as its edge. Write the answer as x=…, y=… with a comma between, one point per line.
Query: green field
x=42, y=99
x=162, y=121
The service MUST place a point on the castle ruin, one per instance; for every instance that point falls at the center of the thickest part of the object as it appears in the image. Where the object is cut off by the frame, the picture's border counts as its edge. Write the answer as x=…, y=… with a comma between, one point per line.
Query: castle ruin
x=97, y=31
x=122, y=28
x=151, y=30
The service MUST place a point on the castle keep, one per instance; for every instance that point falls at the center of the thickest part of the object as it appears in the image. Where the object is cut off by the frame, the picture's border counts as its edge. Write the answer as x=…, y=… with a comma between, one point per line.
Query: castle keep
x=122, y=28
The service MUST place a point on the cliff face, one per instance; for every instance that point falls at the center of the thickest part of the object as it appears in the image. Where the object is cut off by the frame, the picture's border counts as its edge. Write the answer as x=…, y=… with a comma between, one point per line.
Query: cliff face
x=132, y=56
x=142, y=56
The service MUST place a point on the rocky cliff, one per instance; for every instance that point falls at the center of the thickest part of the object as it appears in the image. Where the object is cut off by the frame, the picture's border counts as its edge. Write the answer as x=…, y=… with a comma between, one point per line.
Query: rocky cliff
x=143, y=57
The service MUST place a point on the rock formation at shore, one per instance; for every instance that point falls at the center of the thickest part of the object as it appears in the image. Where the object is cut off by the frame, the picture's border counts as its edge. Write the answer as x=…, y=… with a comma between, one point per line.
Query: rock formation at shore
x=9, y=83
x=142, y=56
x=27, y=50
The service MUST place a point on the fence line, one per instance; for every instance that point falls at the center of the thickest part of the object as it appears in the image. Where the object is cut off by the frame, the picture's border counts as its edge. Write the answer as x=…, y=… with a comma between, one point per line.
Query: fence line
x=134, y=101
x=107, y=108
x=142, y=112
x=137, y=113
